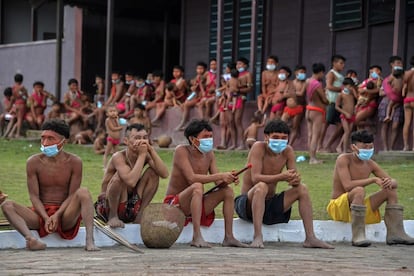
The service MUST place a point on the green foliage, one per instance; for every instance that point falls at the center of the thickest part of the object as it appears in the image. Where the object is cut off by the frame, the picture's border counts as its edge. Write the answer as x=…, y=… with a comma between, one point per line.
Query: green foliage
x=318, y=178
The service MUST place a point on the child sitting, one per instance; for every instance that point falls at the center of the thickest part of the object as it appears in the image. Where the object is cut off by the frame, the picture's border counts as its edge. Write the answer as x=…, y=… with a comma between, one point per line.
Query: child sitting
x=250, y=134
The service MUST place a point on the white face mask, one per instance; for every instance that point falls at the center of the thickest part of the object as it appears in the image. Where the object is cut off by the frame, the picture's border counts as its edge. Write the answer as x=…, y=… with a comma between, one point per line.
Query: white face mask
x=282, y=76
x=270, y=67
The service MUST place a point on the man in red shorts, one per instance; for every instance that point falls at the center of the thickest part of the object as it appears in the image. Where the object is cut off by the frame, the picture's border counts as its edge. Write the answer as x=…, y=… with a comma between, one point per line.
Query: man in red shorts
x=126, y=188
x=59, y=203
x=193, y=166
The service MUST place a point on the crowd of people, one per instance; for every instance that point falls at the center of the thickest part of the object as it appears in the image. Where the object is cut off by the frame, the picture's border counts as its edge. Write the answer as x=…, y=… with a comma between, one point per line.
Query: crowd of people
x=322, y=97
x=132, y=178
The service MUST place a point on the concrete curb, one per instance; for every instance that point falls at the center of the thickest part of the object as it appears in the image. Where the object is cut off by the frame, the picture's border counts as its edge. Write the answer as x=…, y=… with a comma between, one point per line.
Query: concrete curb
x=330, y=231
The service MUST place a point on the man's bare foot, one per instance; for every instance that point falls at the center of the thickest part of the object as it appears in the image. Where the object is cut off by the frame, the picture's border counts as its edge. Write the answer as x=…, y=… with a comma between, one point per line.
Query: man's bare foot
x=232, y=147
x=406, y=148
x=34, y=244
x=200, y=243
x=233, y=242
x=339, y=150
x=241, y=147
x=90, y=246
x=315, y=161
x=257, y=242
x=326, y=150
x=116, y=223
x=316, y=243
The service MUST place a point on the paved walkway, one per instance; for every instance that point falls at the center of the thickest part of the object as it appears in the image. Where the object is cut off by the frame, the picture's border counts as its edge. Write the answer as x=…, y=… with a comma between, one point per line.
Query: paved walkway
x=275, y=259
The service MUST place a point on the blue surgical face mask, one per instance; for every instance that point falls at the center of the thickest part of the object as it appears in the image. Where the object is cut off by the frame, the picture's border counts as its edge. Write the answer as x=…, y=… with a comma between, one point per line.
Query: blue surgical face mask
x=301, y=76
x=282, y=76
x=365, y=154
x=50, y=151
x=241, y=69
x=374, y=75
x=270, y=67
x=139, y=85
x=206, y=145
x=277, y=145
x=346, y=90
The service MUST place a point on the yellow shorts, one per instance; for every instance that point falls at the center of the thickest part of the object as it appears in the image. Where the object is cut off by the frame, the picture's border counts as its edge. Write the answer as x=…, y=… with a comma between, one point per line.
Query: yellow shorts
x=339, y=210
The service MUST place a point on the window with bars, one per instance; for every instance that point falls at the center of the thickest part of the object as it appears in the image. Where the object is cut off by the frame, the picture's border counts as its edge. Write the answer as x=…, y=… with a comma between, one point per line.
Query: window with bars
x=237, y=20
x=346, y=14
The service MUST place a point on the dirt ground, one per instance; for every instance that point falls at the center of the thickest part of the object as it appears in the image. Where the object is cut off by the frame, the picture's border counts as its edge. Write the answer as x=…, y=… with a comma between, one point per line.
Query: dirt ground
x=275, y=259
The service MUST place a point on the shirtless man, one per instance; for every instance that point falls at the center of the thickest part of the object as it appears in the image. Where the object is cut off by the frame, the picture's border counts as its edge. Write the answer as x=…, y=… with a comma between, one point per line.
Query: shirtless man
x=198, y=90
x=59, y=203
x=245, y=87
x=193, y=166
x=284, y=90
x=126, y=188
x=19, y=100
x=38, y=104
x=258, y=202
x=269, y=83
x=408, y=94
x=73, y=102
x=296, y=102
x=348, y=201
x=205, y=105
x=315, y=110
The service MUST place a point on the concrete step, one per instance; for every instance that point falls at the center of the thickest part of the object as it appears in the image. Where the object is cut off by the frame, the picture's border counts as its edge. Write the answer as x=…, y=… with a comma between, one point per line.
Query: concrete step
x=330, y=231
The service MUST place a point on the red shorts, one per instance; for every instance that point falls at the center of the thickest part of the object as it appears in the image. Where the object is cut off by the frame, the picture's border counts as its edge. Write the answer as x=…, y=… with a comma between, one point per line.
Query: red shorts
x=239, y=104
x=317, y=109
x=67, y=235
x=127, y=211
x=206, y=220
x=351, y=120
x=293, y=111
x=408, y=100
x=278, y=107
x=121, y=107
x=113, y=141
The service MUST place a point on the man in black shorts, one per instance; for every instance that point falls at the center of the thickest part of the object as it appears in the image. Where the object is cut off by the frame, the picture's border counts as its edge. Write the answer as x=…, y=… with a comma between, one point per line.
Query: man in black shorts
x=258, y=202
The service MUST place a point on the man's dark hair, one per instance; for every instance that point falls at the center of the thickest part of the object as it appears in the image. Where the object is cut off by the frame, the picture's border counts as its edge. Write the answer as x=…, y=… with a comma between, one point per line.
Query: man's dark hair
x=276, y=126
x=352, y=71
x=335, y=58
x=375, y=66
x=18, y=78
x=275, y=58
x=362, y=136
x=57, y=125
x=318, y=67
x=231, y=65
x=348, y=81
x=38, y=83
x=195, y=127
x=234, y=73
x=170, y=86
x=8, y=92
x=157, y=74
x=202, y=64
x=212, y=59
x=244, y=60
x=392, y=59
x=139, y=106
x=137, y=127
x=300, y=67
x=129, y=73
x=179, y=67
x=287, y=69
x=71, y=81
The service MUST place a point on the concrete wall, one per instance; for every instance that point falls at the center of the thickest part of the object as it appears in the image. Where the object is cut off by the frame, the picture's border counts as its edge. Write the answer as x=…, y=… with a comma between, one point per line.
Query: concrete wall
x=36, y=60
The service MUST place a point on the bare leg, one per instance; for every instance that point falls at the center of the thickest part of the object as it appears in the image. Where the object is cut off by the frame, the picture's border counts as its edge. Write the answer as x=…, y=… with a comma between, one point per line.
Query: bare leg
x=23, y=219
x=408, y=114
x=238, y=116
x=394, y=133
x=116, y=193
x=146, y=189
x=301, y=194
x=315, y=126
x=256, y=199
x=81, y=204
x=384, y=136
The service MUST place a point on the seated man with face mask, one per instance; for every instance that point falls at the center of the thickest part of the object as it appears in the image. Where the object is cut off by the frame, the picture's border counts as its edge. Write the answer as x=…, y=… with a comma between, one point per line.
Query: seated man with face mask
x=259, y=202
x=193, y=166
x=349, y=203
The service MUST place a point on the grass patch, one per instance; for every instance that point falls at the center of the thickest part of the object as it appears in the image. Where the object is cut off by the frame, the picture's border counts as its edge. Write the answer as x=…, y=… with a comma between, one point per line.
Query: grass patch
x=13, y=156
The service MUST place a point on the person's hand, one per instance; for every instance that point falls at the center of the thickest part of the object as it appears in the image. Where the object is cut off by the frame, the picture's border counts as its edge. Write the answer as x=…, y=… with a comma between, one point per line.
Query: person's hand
x=2, y=197
x=52, y=223
x=387, y=183
x=295, y=179
x=348, y=115
x=229, y=177
x=289, y=175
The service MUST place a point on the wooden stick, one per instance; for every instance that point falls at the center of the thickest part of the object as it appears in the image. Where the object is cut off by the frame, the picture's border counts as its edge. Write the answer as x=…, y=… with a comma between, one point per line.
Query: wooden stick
x=106, y=229
x=222, y=185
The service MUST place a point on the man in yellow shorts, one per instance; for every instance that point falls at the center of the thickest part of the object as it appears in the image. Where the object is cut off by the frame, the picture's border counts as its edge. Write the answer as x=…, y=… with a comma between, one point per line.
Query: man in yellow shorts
x=349, y=204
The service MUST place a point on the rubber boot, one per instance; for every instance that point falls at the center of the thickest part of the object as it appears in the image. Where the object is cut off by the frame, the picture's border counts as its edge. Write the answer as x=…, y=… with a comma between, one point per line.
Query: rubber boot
x=393, y=219
x=358, y=226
